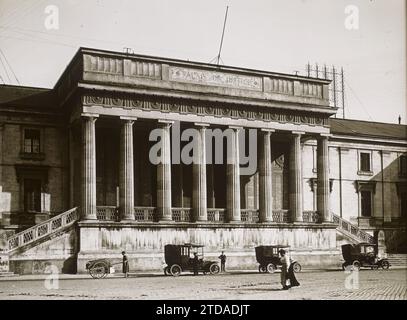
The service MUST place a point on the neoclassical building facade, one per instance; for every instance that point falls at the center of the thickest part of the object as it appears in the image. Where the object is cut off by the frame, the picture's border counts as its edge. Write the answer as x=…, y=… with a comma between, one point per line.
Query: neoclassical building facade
x=77, y=180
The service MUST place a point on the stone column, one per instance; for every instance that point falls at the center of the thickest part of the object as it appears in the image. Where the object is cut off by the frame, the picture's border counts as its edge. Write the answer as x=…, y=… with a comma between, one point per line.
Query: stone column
x=126, y=182
x=265, y=177
x=295, y=173
x=164, y=173
x=233, y=176
x=323, y=207
x=199, y=196
x=89, y=167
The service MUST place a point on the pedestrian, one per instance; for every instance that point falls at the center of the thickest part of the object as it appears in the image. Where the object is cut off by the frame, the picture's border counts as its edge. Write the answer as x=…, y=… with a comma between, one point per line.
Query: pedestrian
x=285, y=262
x=195, y=262
x=222, y=258
x=125, y=265
x=291, y=276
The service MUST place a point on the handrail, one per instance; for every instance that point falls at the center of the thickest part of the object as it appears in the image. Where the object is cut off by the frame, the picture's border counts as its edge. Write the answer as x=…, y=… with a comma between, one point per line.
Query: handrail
x=43, y=229
x=352, y=230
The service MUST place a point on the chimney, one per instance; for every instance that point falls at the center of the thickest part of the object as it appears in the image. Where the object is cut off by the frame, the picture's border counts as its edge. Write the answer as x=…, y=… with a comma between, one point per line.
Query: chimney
x=399, y=119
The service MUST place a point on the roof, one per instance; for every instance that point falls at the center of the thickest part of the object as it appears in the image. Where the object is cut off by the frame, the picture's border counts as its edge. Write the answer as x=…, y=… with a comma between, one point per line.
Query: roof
x=368, y=129
x=26, y=96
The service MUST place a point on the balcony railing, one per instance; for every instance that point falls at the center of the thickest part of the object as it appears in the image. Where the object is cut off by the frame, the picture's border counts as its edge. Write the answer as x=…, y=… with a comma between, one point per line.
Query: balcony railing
x=144, y=213
x=216, y=215
x=280, y=216
x=249, y=215
x=107, y=213
x=181, y=214
x=43, y=229
x=310, y=216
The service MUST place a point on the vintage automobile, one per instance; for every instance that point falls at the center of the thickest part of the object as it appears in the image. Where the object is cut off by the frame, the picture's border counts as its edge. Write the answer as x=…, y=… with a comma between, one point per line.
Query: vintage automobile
x=99, y=268
x=362, y=255
x=269, y=260
x=179, y=258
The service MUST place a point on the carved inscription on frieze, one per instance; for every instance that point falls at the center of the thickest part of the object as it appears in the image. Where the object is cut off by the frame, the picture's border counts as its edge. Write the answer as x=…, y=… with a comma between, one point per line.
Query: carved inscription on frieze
x=214, y=78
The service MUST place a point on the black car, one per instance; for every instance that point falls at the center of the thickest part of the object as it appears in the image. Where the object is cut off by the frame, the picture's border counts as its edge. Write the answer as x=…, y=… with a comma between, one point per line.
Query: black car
x=179, y=258
x=269, y=260
x=362, y=255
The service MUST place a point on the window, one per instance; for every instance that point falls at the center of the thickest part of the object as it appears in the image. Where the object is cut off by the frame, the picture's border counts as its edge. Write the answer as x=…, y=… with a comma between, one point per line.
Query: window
x=366, y=203
x=32, y=195
x=32, y=141
x=403, y=166
x=365, y=165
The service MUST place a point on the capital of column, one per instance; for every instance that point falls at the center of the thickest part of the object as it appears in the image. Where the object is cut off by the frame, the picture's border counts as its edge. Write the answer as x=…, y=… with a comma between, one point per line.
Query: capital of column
x=128, y=119
x=90, y=116
x=165, y=123
x=266, y=130
x=202, y=125
x=297, y=133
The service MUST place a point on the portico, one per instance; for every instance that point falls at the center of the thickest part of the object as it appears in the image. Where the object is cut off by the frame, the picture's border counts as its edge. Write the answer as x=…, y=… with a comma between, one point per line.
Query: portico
x=122, y=99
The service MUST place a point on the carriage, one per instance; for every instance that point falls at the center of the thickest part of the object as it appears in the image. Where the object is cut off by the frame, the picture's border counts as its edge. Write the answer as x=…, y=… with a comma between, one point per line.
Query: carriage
x=269, y=260
x=361, y=255
x=100, y=268
x=179, y=258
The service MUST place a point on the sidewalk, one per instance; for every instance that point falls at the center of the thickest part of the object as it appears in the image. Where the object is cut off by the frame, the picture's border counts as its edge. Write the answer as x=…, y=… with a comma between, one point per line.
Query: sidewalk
x=146, y=274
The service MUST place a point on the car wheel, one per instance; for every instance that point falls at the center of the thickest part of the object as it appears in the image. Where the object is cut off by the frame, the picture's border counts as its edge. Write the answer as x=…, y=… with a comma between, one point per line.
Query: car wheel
x=98, y=270
x=385, y=264
x=271, y=268
x=297, y=267
x=214, y=268
x=175, y=270
x=356, y=265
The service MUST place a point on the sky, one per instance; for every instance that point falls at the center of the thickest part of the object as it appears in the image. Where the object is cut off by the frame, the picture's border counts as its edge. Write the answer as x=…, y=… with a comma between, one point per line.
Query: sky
x=271, y=35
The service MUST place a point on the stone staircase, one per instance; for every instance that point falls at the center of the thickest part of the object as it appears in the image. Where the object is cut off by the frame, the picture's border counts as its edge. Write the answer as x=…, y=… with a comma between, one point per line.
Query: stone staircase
x=34, y=235
x=352, y=232
x=397, y=260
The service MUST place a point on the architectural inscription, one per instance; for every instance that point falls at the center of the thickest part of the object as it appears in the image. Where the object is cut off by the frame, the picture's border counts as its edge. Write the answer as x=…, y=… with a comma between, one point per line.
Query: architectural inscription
x=214, y=78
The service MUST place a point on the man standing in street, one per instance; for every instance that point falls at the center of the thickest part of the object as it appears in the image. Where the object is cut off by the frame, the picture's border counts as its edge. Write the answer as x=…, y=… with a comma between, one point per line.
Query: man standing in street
x=125, y=265
x=195, y=262
x=222, y=258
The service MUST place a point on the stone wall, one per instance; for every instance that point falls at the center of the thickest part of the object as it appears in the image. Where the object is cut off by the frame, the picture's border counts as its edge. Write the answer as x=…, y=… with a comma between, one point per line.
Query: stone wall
x=54, y=142
x=58, y=250
x=314, y=245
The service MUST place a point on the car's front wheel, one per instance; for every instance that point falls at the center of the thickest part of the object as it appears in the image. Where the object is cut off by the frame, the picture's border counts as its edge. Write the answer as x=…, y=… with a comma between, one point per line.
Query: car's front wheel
x=214, y=268
x=297, y=267
x=175, y=270
x=385, y=264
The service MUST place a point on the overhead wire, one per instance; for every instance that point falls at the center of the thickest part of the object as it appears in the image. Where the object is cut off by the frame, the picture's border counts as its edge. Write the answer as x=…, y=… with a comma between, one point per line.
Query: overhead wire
x=9, y=65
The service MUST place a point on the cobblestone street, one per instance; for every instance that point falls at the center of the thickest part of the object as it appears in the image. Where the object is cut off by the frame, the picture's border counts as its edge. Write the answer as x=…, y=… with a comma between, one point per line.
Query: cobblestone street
x=373, y=284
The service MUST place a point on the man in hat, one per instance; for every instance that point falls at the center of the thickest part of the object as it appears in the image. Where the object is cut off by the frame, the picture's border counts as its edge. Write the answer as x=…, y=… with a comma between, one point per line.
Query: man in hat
x=125, y=265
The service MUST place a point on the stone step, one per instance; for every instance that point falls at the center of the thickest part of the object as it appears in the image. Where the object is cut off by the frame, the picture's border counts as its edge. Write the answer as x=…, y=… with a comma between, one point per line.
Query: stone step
x=8, y=274
x=397, y=259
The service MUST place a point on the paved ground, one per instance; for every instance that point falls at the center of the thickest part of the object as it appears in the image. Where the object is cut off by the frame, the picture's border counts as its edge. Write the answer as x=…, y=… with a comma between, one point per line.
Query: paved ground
x=373, y=284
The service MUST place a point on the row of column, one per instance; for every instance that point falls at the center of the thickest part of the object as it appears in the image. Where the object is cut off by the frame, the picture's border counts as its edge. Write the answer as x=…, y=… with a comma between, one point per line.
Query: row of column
x=199, y=174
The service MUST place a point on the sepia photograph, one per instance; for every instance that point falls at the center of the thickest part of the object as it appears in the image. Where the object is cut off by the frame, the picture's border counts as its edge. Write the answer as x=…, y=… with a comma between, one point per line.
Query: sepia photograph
x=203, y=156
